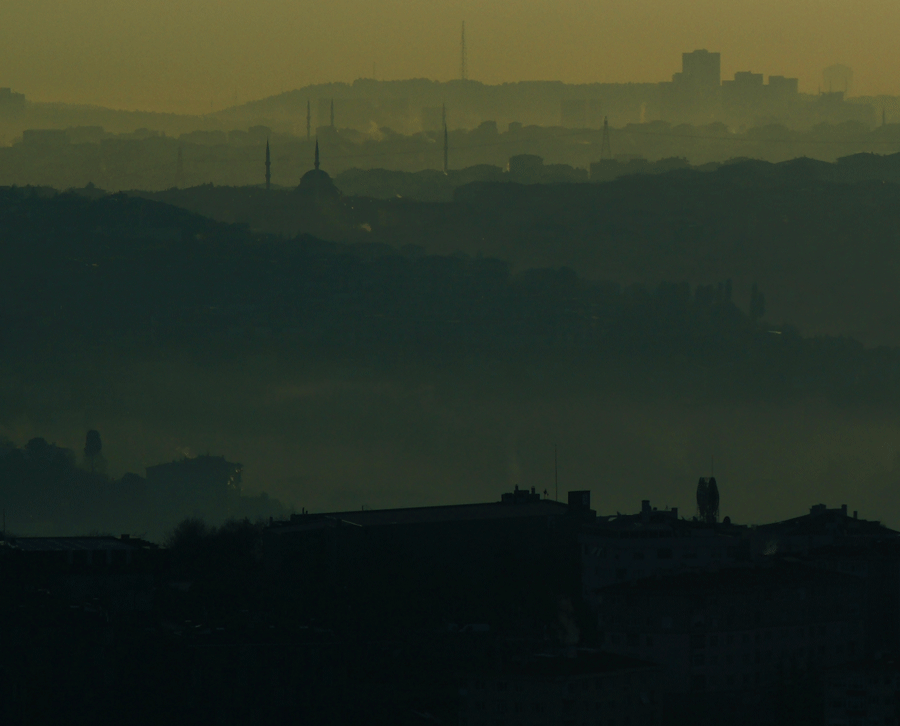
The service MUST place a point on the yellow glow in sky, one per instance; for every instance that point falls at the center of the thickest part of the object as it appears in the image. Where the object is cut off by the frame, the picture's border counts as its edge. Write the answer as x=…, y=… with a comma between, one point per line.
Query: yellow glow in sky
x=191, y=55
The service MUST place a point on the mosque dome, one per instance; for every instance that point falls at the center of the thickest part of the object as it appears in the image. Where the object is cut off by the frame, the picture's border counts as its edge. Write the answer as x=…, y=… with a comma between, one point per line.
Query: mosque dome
x=317, y=183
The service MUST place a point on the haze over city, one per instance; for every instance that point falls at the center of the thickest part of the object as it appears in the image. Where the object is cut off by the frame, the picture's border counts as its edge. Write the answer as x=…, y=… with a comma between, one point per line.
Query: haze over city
x=479, y=363
x=198, y=56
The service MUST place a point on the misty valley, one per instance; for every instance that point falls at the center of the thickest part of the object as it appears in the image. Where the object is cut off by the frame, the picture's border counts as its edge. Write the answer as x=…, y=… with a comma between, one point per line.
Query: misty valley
x=571, y=404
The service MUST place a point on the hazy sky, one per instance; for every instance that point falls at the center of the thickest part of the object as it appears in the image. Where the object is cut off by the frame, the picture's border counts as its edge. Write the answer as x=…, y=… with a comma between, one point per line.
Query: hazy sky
x=189, y=55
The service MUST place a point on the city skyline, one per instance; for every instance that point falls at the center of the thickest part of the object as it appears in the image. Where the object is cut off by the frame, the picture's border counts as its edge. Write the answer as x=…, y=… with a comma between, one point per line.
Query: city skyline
x=198, y=58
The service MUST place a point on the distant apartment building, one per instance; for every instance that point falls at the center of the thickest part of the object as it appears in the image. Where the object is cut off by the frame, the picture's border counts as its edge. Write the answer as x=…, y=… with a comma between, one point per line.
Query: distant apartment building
x=701, y=72
x=738, y=630
x=578, y=687
x=44, y=138
x=693, y=93
x=11, y=103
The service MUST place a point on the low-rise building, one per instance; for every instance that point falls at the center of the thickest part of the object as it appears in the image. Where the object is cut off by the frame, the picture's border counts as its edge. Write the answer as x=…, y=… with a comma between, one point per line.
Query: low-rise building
x=867, y=692
x=578, y=686
x=746, y=628
x=654, y=542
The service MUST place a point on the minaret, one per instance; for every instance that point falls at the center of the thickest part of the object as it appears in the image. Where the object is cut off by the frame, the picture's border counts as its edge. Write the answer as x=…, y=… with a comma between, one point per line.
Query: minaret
x=308, y=119
x=332, y=113
x=446, y=144
x=317, y=155
x=179, y=168
x=268, y=167
x=605, y=150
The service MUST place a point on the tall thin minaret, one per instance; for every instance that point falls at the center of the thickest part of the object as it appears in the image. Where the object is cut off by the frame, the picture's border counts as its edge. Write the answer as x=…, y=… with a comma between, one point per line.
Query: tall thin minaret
x=446, y=141
x=463, y=61
x=317, y=155
x=268, y=167
x=179, y=168
x=308, y=119
x=605, y=149
x=332, y=113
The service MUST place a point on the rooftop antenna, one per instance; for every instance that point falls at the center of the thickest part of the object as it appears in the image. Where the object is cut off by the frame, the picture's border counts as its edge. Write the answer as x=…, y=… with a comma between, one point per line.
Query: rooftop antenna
x=463, y=61
x=605, y=149
x=556, y=471
x=308, y=119
x=446, y=140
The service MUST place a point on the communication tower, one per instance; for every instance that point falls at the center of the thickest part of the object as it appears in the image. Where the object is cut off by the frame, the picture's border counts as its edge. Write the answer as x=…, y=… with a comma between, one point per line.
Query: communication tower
x=463, y=61
x=708, y=500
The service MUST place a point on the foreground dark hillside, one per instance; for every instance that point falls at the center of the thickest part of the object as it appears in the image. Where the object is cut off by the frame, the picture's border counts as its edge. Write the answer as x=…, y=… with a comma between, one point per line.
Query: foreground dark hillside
x=349, y=375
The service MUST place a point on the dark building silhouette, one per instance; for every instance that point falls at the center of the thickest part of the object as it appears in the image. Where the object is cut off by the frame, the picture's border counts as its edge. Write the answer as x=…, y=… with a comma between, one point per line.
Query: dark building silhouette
x=822, y=527
x=465, y=563
x=316, y=184
x=863, y=693
x=11, y=104
x=574, y=686
x=740, y=630
x=655, y=543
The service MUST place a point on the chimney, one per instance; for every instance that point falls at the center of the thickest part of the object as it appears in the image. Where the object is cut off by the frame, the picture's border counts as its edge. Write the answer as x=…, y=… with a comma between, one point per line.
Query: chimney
x=844, y=510
x=854, y=514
